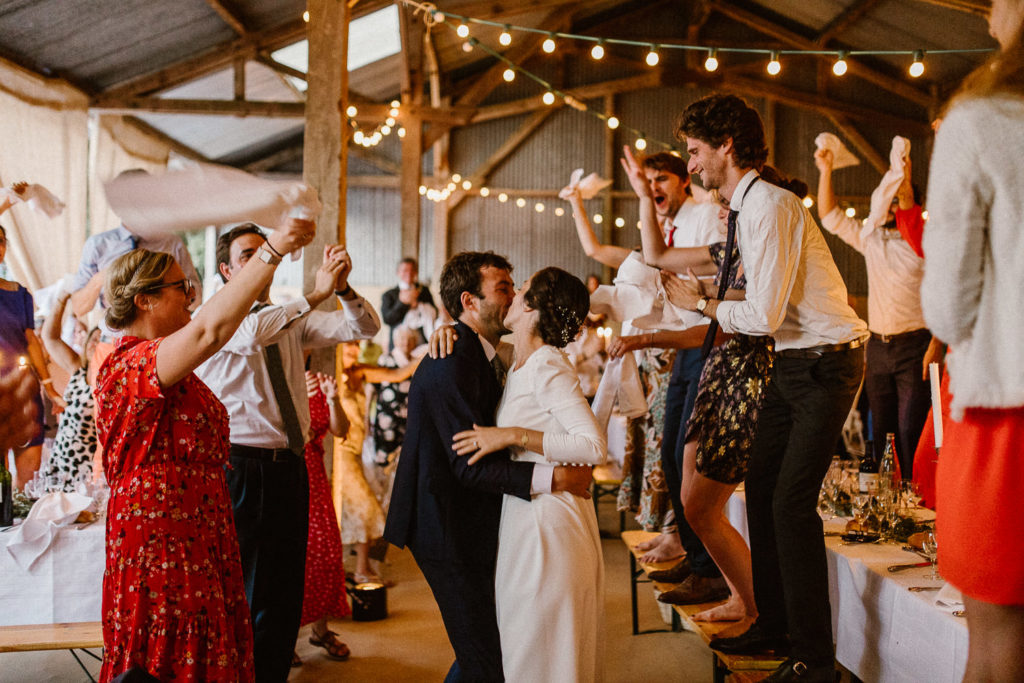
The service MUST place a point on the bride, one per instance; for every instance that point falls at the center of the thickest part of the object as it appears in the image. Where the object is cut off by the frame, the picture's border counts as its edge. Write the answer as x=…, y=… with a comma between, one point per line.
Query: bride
x=549, y=582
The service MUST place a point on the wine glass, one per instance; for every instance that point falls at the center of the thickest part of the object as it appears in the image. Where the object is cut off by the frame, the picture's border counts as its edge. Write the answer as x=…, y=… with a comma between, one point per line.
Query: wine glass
x=861, y=508
x=930, y=546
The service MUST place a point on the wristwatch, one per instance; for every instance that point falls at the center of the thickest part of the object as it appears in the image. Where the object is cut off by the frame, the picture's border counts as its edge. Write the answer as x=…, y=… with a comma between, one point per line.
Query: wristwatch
x=702, y=304
x=267, y=256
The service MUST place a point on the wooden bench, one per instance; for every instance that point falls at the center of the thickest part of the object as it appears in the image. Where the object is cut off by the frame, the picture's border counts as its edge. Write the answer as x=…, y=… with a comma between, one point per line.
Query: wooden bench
x=71, y=637
x=607, y=479
x=753, y=668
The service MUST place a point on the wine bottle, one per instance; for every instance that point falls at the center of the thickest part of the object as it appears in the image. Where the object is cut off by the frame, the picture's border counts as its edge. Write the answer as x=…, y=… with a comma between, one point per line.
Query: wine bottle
x=868, y=471
x=6, y=498
x=888, y=470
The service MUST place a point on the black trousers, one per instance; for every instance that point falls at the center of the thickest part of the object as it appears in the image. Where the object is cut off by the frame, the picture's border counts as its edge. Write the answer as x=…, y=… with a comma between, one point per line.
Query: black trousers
x=805, y=406
x=465, y=596
x=271, y=508
x=898, y=396
x=679, y=400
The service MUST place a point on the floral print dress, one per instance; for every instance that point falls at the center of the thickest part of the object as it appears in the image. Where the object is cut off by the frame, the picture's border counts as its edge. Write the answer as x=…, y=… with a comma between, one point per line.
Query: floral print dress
x=173, y=598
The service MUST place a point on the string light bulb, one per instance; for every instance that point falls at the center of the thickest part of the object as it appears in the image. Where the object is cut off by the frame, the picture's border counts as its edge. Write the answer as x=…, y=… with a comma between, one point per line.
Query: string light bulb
x=851, y=212
x=509, y=75
x=559, y=211
x=620, y=222
x=462, y=31
x=597, y=52
x=395, y=104
x=652, y=56
x=539, y=207
x=385, y=130
x=505, y=38
x=351, y=111
x=305, y=16
x=917, y=67
x=467, y=184
x=357, y=137
x=613, y=122
x=641, y=143
x=401, y=132
x=502, y=197
x=598, y=219
x=520, y=202
x=548, y=98
x=549, y=43
x=774, y=66
x=484, y=191
x=423, y=189
x=711, y=63
x=393, y=112
x=808, y=201
x=467, y=46
x=389, y=121
x=840, y=66
x=456, y=177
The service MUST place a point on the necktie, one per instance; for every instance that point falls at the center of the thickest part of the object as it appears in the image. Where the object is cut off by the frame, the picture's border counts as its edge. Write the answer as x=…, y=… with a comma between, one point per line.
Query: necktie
x=500, y=371
x=134, y=242
x=284, y=399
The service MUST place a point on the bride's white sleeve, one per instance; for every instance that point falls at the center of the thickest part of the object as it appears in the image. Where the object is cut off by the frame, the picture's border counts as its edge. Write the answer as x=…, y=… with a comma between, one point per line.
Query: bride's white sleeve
x=557, y=390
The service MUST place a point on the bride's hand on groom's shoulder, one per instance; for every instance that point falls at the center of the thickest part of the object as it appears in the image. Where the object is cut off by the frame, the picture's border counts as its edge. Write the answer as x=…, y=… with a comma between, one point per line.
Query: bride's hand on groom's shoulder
x=442, y=341
x=480, y=441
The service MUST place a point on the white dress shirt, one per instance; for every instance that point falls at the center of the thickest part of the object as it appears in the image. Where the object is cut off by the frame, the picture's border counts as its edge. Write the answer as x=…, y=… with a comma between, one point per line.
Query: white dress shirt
x=794, y=291
x=238, y=376
x=697, y=225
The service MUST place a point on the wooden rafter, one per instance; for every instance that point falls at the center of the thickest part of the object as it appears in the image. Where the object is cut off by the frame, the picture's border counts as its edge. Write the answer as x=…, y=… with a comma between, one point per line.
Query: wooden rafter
x=214, y=107
x=265, y=59
x=497, y=158
x=979, y=8
x=861, y=143
x=375, y=159
x=278, y=158
x=230, y=17
x=178, y=147
x=845, y=19
x=759, y=23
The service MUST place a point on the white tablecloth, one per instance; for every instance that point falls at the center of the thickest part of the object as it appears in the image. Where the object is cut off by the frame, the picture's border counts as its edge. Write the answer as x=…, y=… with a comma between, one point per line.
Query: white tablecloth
x=63, y=585
x=884, y=632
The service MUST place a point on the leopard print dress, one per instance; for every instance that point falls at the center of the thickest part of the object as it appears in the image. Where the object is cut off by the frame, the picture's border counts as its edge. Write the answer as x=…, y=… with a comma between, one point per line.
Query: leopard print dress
x=75, y=442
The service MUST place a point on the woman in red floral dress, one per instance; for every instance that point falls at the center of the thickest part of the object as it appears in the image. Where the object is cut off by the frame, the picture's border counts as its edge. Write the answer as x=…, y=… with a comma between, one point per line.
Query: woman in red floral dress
x=174, y=607
x=324, y=594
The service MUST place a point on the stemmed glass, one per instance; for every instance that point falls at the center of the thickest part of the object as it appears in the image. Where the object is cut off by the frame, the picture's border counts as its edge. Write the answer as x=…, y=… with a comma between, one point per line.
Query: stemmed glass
x=930, y=546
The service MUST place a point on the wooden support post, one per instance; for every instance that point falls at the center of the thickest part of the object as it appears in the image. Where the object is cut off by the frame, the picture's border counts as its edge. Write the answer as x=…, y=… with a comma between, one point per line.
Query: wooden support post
x=411, y=171
x=770, y=128
x=610, y=159
x=239, y=79
x=325, y=162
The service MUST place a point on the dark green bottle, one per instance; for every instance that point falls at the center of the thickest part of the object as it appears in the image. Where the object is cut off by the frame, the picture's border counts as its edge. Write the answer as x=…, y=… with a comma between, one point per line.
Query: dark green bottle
x=6, y=498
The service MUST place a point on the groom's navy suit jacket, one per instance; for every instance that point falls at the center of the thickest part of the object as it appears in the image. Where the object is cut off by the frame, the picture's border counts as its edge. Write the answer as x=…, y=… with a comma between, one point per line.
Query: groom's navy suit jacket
x=442, y=508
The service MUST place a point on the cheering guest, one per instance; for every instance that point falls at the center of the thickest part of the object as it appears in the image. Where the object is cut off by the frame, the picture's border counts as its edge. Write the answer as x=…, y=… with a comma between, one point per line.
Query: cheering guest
x=408, y=304
x=173, y=600
x=972, y=299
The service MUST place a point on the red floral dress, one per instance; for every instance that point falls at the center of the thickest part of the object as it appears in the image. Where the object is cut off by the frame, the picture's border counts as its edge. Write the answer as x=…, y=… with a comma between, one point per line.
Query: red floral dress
x=325, y=594
x=173, y=599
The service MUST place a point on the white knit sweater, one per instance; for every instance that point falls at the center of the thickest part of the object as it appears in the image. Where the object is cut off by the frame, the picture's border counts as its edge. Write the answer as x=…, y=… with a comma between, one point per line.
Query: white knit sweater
x=973, y=288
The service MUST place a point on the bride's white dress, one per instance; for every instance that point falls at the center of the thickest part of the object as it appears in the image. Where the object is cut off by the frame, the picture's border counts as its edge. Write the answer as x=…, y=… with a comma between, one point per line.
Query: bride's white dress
x=549, y=583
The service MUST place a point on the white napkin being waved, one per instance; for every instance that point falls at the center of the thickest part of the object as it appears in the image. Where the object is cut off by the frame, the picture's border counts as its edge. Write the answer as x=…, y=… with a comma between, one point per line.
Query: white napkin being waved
x=586, y=187
x=620, y=382
x=35, y=535
x=37, y=197
x=841, y=156
x=199, y=195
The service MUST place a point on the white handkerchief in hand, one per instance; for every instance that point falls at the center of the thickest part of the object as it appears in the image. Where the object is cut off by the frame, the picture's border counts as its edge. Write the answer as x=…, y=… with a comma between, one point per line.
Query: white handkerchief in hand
x=900, y=151
x=620, y=382
x=841, y=156
x=586, y=187
x=36, y=533
x=38, y=198
x=205, y=194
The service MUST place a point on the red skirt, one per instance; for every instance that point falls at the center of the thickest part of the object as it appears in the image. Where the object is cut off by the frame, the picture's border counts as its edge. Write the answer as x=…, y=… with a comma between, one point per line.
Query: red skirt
x=980, y=482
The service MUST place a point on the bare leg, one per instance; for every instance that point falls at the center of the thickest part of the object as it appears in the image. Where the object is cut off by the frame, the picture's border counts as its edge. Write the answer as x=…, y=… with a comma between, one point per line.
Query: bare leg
x=704, y=503
x=26, y=462
x=363, y=559
x=996, y=640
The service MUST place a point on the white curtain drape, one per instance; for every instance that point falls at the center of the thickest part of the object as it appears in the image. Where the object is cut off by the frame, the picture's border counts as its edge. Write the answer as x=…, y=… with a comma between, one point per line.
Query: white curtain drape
x=44, y=140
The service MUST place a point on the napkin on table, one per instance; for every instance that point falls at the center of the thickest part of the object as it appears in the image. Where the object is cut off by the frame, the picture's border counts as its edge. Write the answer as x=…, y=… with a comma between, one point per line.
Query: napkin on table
x=949, y=598
x=35, y=535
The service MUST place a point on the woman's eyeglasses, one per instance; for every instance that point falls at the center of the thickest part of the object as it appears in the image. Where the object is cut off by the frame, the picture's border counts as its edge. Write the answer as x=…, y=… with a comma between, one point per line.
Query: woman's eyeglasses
x=187, y=288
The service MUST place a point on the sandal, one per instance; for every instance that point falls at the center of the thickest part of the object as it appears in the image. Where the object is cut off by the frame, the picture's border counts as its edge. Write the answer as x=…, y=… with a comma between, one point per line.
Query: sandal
x=334, y=648
x=296, y=660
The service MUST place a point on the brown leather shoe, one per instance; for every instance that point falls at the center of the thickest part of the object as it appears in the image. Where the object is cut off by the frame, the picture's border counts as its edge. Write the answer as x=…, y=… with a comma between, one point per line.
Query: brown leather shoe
x=696, y=590
x=676, y=574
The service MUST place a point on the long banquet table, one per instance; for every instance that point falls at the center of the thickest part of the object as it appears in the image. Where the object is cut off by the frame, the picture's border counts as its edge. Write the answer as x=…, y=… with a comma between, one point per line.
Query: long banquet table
x=883, y=631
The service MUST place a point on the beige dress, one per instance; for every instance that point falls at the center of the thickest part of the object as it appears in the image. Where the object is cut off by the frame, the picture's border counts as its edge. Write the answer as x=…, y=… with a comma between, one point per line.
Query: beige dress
x=361, y=517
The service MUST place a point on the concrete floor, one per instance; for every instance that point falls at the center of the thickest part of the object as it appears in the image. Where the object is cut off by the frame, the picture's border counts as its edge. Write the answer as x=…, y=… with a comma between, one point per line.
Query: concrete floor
x=411, y=645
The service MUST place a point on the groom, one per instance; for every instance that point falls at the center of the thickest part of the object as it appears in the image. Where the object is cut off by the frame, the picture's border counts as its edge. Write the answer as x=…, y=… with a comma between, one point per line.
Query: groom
x=446, y=511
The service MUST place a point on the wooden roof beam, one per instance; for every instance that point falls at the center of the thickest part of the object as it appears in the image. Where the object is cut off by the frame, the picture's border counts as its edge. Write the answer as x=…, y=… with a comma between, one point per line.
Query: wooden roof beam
x=229, y=16
x=979, y=8
x=784, y=35
x=208, y=107
x=371, y=157
x=845, y=19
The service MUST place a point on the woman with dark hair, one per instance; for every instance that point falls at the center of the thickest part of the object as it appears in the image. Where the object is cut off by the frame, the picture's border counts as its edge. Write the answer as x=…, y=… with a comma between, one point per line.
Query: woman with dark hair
x=174, y=605
x=972, y=298
x=549, y=582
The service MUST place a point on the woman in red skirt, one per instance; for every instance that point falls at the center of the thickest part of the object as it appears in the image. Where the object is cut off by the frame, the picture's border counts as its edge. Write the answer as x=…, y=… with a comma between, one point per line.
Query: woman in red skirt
x=972, y=299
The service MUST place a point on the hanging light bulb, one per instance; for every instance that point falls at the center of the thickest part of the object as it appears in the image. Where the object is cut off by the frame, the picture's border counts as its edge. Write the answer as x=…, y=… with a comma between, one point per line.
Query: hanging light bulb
x=456, y=177
x=808, y=201
x=357, y=137
x=509, y=75
x=450, y=186
x=620, y=222
x=641, y=143
x=467, y=46
x=549, y=43
x=389, y=121
x=395, y=104
x=502, y=197
x=559, y=211
x=462, y=31
x=484, y=192
x=393, y=112
x=597, y=52
x=505, y=38
x=924, y=215
x=774, y=67
x=423, y=189
x=840, y=66
x=467, y=184
x=539, y=207
x=598, y=219
x=548, y=98
x=851, y=212
x=711, y=63
x=385, y=130
x=401, y=132
x=305, y=16
x=612, y=122
x=351, y=111
x=520, y=202
x=652, y=56
x=917, y=68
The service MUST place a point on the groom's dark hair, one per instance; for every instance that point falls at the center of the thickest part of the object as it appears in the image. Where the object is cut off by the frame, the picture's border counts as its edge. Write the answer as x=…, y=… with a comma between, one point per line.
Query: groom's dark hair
x=462, y=274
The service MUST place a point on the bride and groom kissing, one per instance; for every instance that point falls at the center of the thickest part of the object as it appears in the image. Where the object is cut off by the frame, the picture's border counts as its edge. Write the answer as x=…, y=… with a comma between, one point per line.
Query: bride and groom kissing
x=502, y=532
